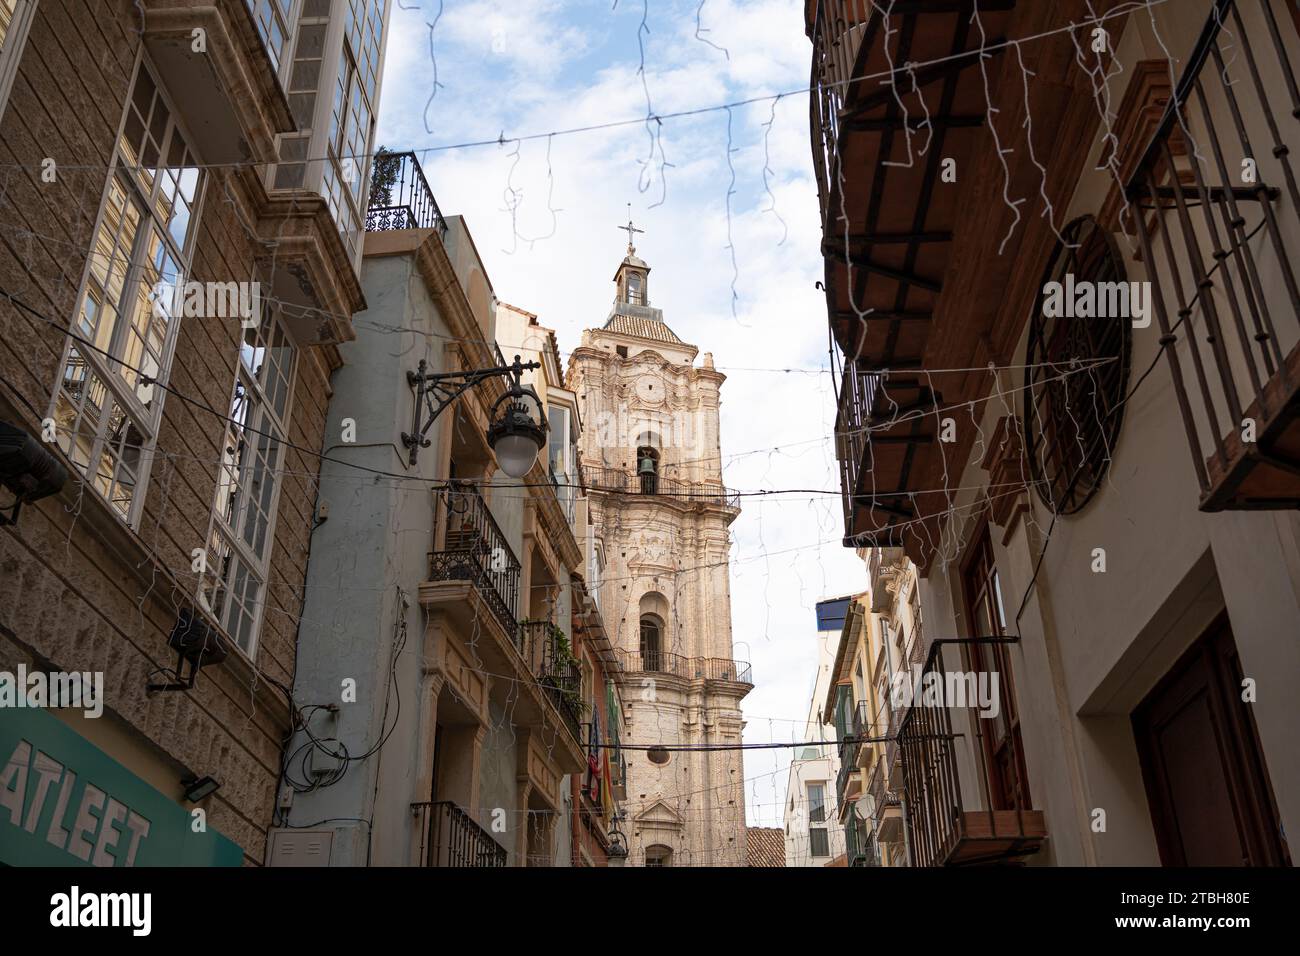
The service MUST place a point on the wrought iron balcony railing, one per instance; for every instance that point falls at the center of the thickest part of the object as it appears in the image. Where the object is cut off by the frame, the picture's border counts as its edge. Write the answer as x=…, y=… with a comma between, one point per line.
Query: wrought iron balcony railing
x=916, y=643
x=858, y=731
x=858, y=388
x=450, y=837
x=689, y=668
x=862, y=723
x=1227, y=306
x=860, y=846
x=546, y=649
x=847, y=769
x=475, y=549
x=868, y=856
x=400, y=197
x=838, y=29
x=887, y=723
x=876, y=786
x=617, y=481
x=948, y=824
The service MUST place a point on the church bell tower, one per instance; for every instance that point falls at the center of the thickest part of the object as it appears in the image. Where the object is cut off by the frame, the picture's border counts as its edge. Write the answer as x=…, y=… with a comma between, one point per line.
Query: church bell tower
x=651, y=458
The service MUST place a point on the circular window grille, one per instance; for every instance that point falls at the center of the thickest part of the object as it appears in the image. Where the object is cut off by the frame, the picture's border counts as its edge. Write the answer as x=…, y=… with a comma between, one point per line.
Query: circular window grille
x=1077, y=366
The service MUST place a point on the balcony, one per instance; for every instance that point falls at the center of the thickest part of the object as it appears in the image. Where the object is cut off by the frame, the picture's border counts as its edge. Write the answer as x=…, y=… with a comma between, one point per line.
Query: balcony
x=1227, y=299
x=619, y=482
x=449, y=837
x=893, y=719
x=230, y=97
x=550, y=658
x=474, y=549
x=923, y=275
x=860, y=846
x=473, y=593
x=916, y=642
x=400, y=197
x=858, y=388
x=848, y=784
x=687, y=668
x=868, y=735
x=883, y=567
x=887, y=809
x=951, y=822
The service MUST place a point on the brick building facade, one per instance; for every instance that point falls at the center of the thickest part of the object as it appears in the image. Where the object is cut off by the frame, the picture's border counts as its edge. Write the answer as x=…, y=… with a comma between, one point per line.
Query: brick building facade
x=147, y=133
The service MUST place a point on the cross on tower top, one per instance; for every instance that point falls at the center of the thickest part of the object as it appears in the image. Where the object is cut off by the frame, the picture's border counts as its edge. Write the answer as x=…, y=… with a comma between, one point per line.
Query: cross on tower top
x=631, y=249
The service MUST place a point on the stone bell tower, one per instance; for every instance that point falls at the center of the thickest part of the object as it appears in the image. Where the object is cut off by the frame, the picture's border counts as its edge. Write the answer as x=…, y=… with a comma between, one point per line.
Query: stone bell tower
x=651, y=461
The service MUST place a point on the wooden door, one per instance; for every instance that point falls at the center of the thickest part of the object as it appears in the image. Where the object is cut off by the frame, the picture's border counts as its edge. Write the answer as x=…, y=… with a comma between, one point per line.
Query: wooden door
x=1002, y=749
x=1206, y=781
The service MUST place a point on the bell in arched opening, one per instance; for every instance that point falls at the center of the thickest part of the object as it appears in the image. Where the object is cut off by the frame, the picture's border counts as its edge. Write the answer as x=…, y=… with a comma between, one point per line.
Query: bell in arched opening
x=647, y=469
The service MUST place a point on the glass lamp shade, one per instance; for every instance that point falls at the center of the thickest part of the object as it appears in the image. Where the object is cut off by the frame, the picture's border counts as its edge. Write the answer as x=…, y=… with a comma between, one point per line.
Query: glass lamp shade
x=515, y=454
x=516, y=438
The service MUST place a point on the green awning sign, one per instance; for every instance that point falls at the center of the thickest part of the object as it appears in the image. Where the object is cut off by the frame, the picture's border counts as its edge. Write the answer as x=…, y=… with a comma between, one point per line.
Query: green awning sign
x=64, y=802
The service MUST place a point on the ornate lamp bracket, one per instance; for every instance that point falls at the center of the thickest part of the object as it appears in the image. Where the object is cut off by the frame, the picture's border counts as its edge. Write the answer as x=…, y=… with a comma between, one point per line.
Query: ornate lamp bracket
x=434, y=391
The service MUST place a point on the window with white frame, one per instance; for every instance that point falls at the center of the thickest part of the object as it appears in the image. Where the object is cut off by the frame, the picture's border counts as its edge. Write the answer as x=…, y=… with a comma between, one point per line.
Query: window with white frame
x=275, y=23
x=819, y=843
x=818, y=837
x=352, y=119
x=563, y=454
x=816, y=803
x=106, y=406
x=597, y=571
x=15, y=20
x=248, y=484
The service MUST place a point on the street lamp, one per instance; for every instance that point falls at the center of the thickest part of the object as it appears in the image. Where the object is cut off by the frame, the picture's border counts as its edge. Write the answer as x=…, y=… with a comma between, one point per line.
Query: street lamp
x=617, y=852
x=518, y=426
x=516, y=433
x=26, y=469
x=197, y=789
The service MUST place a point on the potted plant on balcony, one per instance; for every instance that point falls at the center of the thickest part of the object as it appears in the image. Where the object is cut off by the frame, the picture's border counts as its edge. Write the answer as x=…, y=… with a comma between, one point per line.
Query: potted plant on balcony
x=561, y=672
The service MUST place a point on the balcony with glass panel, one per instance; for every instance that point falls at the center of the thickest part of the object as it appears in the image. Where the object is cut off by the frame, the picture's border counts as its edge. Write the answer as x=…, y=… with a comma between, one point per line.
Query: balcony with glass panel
x=227, y=91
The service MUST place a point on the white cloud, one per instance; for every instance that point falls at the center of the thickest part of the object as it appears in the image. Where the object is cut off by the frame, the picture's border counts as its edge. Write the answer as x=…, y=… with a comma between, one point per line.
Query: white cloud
x=535, y=42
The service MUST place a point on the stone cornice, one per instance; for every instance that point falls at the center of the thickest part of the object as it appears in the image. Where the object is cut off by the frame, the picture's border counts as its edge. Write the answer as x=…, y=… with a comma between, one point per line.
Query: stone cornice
x=301, y=238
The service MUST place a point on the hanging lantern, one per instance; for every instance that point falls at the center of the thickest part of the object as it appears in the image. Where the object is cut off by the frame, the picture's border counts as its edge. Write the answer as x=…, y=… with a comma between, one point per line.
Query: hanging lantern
x=518, y=429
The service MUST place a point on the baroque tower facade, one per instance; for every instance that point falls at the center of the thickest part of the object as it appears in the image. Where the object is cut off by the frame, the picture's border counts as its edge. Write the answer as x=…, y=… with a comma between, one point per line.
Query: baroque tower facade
x=660, y=515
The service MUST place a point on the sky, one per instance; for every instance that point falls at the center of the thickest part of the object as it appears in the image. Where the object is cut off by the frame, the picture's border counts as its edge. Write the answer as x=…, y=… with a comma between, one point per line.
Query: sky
x=728, y=203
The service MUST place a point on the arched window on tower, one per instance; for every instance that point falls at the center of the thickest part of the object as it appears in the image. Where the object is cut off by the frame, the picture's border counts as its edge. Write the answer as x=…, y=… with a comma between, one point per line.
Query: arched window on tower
x=652, y=636
x=635, y=292
x=647, y=469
